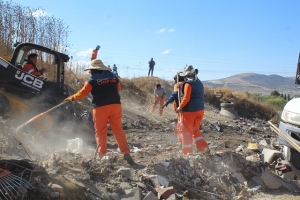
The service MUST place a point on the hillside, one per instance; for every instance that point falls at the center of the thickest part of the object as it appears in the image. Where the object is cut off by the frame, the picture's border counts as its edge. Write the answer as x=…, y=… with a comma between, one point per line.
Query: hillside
x=256, y=83
x=159, y=169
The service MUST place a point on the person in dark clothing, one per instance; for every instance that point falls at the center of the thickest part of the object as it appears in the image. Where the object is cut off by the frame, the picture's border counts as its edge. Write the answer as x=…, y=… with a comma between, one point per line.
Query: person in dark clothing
x=151, y=66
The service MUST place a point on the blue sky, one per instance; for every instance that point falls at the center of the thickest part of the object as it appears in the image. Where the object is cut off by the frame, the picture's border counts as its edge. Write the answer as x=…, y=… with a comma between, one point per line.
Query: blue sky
x=220, y=38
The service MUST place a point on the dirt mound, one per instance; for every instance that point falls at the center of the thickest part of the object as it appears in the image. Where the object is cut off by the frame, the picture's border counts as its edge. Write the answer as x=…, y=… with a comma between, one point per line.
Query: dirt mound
x=159, y=168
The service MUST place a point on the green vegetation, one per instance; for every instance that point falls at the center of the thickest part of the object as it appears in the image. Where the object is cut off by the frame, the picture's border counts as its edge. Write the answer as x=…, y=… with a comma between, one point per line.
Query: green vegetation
x=275, y=99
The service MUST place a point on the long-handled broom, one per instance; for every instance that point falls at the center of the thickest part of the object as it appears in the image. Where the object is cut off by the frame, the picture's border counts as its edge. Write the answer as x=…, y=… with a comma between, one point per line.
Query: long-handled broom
x=19, y=128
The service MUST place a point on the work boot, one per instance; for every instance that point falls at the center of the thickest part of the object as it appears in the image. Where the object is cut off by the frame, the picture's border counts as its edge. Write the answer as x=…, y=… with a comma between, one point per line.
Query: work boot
x=128, y=158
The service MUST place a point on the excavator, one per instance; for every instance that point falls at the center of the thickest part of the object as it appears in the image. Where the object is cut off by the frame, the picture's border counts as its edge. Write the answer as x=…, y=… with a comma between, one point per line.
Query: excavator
x=23, y=95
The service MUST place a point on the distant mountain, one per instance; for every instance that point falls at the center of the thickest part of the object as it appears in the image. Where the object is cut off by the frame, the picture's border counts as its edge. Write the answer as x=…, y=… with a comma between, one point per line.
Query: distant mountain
x=257, y=83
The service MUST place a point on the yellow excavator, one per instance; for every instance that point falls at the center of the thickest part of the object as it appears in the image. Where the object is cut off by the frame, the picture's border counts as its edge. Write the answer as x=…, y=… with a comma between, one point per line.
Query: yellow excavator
x=23, y=95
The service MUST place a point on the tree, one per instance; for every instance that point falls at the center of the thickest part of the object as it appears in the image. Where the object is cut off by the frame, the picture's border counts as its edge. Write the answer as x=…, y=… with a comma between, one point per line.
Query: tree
x=23, y=24
x=275, y=93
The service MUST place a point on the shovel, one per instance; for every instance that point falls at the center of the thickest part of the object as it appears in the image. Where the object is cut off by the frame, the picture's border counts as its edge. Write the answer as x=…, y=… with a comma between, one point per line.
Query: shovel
x=19, y=128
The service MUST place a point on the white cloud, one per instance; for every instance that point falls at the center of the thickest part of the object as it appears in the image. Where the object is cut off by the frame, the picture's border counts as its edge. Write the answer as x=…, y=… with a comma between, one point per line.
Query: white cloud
x=39, y=13
x=84, y=53
x=78, y=65
x=166, y=51
x=171, y=30
x=161, y=30
x=82, y=62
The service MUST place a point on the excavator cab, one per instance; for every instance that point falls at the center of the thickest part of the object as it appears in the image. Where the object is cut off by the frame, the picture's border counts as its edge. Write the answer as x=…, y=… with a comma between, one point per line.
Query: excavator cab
x=23, y=95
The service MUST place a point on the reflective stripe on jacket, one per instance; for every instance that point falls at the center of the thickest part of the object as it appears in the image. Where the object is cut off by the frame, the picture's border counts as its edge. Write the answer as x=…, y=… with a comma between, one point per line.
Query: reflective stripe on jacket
x=30, y=68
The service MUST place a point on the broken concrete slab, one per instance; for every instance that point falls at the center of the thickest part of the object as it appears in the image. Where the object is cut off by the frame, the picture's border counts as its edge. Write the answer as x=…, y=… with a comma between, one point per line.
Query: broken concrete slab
x=132, y=194
x=240, y=177
x=125, y=186
x=288, y=176
x=290, y=186
x=268, y=155
x=86, y=185
x=270, y=180
x=257, y=179
x=114, y=196
x=128, y=173
x=158, y=180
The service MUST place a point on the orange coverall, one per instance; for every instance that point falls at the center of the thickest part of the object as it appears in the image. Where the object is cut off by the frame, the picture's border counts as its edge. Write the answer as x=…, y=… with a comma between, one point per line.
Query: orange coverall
x=94, y=54
x=103, y=114
x=31, y=69
x=160, y=100
x=191, y=122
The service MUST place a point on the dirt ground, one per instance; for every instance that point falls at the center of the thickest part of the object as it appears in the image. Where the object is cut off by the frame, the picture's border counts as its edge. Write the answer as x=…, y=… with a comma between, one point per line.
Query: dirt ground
x=156, y=151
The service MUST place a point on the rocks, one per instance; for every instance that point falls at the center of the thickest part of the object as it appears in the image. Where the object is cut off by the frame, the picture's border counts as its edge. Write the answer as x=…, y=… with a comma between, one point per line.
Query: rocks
x=128, y=173
x=160, y=170
x=56, y=187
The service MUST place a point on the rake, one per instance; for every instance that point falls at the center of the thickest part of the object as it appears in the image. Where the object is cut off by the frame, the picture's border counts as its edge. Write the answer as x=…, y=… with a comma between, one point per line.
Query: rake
x=12, y=186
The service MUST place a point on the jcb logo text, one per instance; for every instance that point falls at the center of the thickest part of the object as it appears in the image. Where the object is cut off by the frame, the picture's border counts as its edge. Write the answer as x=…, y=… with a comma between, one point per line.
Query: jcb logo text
x=29, y=79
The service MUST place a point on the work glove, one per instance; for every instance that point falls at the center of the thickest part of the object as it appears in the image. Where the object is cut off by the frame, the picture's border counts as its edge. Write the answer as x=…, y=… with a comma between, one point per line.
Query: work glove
x=70, y=98
x=179, y=109
x=166, y=105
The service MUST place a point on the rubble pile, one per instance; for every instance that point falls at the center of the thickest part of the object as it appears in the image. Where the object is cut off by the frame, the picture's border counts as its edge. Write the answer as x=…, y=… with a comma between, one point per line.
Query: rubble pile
x=245, y=162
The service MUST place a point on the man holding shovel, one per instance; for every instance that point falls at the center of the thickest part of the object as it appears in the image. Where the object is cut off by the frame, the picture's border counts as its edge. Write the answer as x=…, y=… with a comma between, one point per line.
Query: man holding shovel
x=105, y=87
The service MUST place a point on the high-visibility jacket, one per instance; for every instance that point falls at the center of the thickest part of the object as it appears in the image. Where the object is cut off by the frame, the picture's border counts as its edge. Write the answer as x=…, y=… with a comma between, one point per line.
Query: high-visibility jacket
x=30, y=68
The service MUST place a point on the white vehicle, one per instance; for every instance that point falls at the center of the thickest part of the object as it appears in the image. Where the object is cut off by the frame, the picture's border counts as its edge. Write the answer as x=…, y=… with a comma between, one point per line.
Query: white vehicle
x=290, y=124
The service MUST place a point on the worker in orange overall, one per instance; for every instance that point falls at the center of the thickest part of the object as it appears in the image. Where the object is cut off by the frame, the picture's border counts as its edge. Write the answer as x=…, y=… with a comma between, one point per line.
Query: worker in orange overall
x=192, y=109
x=30, y=65
x=95, y=53
x=160, y=95
x=105, y=88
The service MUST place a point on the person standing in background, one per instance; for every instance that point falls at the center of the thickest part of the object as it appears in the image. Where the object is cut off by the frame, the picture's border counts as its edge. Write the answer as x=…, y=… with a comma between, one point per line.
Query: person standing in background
x=115, y=70
x=151, y=66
